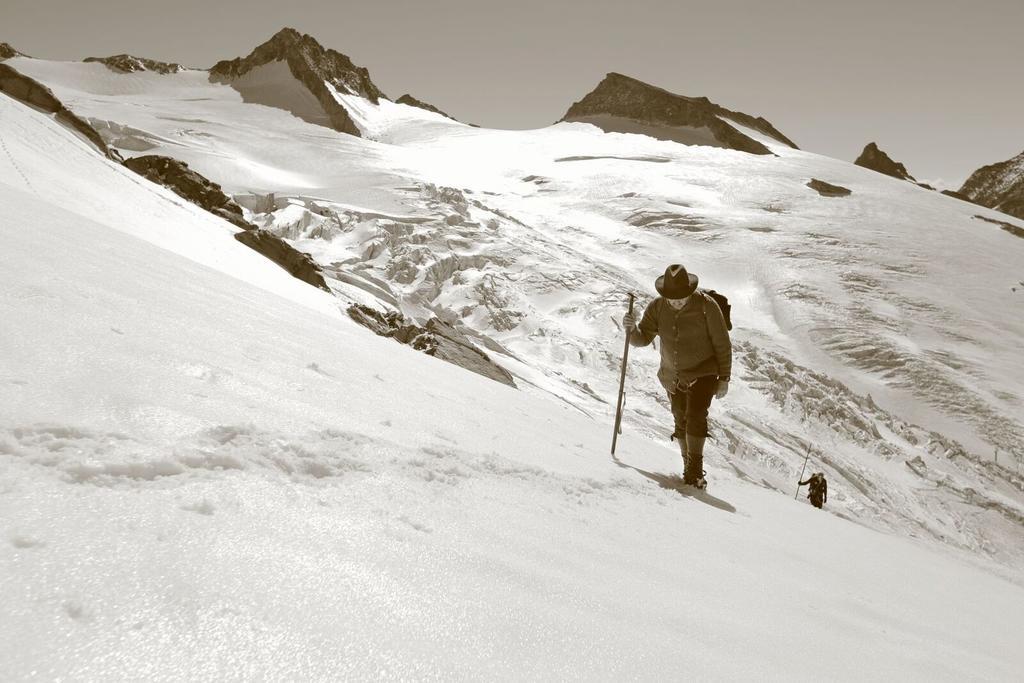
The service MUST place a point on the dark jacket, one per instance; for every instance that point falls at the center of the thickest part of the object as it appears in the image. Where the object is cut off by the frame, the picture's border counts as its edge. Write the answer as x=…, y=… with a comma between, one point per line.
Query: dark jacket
x=694, y=340
x=819, y=487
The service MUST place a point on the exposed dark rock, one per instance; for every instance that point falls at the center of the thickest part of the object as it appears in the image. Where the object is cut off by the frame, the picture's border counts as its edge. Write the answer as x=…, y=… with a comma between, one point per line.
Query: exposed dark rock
x=186, y=183
x=413, y=102
x=1014, y=230
x=619, y=101
x=312, y=65
x=7, y=52
x=877, y=160
x=33, y=93
x=956, y=195
x=206, y=194
x=437, y=339
x=300, y=264
x=128, y=64
x=998, y=186
x=828, y=189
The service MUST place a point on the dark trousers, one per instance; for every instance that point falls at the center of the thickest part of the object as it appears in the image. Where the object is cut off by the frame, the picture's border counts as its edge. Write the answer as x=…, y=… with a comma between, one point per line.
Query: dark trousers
x=816, y=500
x=690, y=404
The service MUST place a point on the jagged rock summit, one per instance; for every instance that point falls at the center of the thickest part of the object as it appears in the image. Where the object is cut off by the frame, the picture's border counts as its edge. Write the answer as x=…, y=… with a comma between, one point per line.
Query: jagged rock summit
x=127, y=64
x=877, y=160
x=621, y=104
x=262, y=78
x=998, y=186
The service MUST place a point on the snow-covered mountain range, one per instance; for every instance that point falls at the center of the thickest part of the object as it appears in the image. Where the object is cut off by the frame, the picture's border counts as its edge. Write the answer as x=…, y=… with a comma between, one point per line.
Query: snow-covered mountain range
x=167, y=389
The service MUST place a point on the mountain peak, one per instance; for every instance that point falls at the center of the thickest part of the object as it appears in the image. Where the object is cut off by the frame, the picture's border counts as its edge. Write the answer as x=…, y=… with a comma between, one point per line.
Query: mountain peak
x=875, y=159
x=288, y=34
x=304, y=54
x=320, y=70
x=625, y=104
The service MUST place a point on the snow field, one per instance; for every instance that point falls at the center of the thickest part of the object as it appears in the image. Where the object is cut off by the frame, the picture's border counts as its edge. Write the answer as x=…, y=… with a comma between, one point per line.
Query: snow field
x=391, y=515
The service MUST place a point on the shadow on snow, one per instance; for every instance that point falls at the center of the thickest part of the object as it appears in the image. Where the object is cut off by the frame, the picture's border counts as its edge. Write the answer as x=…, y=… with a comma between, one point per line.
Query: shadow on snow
x=675, y=483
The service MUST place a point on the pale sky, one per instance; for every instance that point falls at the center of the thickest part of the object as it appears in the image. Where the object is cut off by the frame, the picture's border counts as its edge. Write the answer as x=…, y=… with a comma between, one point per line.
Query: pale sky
x=936, y=83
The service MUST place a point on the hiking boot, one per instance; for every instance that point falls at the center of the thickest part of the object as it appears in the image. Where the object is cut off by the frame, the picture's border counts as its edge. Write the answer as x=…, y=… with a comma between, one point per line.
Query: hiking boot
x=694, y=472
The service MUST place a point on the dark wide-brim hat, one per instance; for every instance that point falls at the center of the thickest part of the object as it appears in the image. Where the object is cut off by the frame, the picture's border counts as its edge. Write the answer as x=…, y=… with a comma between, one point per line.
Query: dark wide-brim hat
x=676, y=283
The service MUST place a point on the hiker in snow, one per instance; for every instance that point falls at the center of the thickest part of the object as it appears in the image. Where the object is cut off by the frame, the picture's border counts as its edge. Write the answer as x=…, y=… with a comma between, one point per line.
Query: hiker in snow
x=696, y=358
x=818, y=490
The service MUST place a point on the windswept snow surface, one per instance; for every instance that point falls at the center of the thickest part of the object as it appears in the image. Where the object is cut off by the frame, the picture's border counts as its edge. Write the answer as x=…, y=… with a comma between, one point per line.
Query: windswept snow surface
x=207, y=472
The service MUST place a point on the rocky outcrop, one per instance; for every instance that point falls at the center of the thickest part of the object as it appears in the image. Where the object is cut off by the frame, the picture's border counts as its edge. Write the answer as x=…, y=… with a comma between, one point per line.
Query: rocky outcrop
x=314, y=67
x=186, y=183
x=127, y=64
x=956, y=195
x=194, y=187
x=8, y=52
x=1014, y=230
x=299, y=264
x=620, y=99
x=877, y=160
x=828, y=189
x=436, y=339
x=998, y=186
x=32, y=92
x=413, y=102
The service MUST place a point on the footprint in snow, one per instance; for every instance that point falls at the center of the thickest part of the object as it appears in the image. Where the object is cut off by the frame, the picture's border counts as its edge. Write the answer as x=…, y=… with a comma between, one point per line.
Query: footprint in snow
x=203, y=507
x=21, y=541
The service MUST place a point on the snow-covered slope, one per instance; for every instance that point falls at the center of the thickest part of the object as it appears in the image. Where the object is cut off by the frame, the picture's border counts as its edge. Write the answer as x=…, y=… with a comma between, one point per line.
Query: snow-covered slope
x=47, y=161
x=200, y=479
x=876, y=328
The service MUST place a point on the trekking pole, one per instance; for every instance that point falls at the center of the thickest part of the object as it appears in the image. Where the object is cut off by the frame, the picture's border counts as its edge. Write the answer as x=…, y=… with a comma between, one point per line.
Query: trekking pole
x=797, y=494
x=622, y=384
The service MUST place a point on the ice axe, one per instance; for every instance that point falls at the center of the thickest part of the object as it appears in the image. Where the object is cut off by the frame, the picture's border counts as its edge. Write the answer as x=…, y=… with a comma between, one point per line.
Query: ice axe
x=622, y=383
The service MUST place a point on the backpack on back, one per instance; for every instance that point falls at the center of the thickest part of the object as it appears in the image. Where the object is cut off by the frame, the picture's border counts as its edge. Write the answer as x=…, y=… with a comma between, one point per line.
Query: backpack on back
x=723, y=304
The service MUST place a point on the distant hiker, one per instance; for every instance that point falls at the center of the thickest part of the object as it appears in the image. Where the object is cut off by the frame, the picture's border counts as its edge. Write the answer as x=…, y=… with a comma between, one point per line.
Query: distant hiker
x=818, y=490
x=696, y=358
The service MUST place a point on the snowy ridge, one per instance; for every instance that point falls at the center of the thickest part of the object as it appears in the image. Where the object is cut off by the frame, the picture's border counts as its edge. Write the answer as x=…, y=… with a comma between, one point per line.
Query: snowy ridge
x=46, y=158
x=130, y=64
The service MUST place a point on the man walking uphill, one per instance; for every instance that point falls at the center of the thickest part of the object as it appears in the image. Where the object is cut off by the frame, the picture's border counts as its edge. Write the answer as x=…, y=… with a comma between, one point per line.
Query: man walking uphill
x=696, y=358
x=818, y=492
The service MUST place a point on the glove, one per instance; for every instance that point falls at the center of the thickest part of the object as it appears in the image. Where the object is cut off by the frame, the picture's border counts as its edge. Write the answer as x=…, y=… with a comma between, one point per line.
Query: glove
x=723, y=388
x=629, y=322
